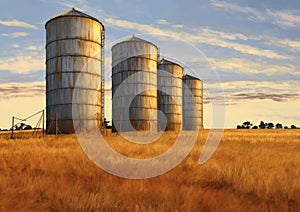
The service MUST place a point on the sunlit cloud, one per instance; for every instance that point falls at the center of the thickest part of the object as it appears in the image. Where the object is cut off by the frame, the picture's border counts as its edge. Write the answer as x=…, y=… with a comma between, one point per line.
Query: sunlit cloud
x=162, y=21
x=16, y=23
x=35, y=48
x=282, y=18
x=238, y=65
x=15, y=34
x=15, y=45
x=230, y=7
x=219, y=34
x=23, y=64
x=206, y=36
x=294, y=45
x=285, y=18
x=177, y=26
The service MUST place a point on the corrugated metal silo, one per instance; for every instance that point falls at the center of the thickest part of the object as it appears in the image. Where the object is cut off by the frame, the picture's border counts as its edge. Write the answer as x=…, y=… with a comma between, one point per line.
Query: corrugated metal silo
x=134, y=56
x=74, y=44
x=192, y=105
x=170, y=94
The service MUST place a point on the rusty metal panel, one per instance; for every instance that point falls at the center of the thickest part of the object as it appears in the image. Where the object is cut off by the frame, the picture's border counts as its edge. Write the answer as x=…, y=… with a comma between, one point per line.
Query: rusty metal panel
x=130, y=57
x=73, y=50
x=192, y=105
x=170, y=94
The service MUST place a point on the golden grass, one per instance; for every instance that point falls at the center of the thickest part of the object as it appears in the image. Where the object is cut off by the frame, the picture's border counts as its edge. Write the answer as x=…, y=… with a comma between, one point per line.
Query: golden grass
x=252, y=170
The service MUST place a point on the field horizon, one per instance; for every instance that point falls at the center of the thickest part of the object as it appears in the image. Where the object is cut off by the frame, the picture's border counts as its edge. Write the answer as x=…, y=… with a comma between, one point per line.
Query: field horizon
x=251, y=170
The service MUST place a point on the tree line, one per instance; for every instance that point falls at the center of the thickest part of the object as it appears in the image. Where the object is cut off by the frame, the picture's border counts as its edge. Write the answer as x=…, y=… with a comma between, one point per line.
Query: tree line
x=264, y=125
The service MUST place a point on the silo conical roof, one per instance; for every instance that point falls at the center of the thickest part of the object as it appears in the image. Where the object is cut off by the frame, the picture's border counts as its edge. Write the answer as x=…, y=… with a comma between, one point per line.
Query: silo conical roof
x=133, y=38
x=187, y=76
x=73, y=13
x=164, y=61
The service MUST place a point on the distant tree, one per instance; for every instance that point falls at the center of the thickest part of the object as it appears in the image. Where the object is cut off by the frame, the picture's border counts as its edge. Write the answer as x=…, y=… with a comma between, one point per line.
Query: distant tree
x=27, y=127
x=247, y=125
x=270, y=125
x=20, y=127
x=255, y=127
x=293, y=127
x=286, y=127
x=278, y=126
x=262, y=125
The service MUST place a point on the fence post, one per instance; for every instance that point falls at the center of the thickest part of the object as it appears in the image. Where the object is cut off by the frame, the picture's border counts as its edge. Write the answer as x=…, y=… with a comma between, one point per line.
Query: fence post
x=43, y=122
x=12, y=127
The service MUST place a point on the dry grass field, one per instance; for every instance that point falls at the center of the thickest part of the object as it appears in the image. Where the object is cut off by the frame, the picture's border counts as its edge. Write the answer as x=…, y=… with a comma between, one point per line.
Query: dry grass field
x=252, y=170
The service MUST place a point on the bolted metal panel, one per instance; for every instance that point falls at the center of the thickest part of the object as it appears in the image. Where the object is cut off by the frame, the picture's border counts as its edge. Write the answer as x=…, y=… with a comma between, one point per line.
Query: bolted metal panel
x=134, y=60
x=170, y=94
x=192, y=105
x=73, y=50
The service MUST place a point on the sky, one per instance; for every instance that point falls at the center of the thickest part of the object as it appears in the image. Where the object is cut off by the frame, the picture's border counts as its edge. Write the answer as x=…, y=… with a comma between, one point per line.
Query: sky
x=245, y=52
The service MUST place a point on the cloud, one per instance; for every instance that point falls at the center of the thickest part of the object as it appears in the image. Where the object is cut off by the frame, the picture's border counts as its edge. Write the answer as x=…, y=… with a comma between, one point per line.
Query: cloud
x=23, y=64
x=219, y=34
x=9, y=77
x=285, y=18
x=35, y=48
x=162, y=21
x=177, y=26
x=16, y=23
x=238, y=65
x=229, y=7
x=241, y=91
x=15, y=34
x=261, y=96
x=14, y=90
x=206, y=36
x=282, y=18
x=291, y=45
x=295, y=45
x=15, y=45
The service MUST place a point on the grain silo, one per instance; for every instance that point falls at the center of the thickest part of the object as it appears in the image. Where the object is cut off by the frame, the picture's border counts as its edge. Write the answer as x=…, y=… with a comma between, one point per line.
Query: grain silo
x=192, y=103
x=74, y=47
x=169, y=84
x=134, y=68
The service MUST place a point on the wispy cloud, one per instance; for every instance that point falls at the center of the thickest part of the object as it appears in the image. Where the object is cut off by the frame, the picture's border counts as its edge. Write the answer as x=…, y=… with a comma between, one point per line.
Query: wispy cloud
x=230, y=7
x=22, y=64
x=16, y=23
x=10, y=77
x=284, y=97
x=15, y=45
x=177, y=26
x=238, y=65
x=223, y=35
x=285, y=18
x=282, y=18
x=206, y=36
x=15, y=34
x=35, y=48
x=14, y=90
x=241, y=91
x=291, y=44
x=162, y=21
